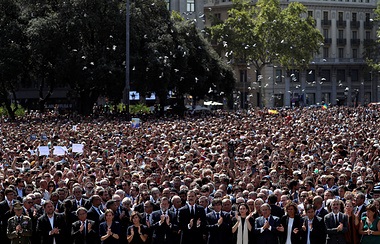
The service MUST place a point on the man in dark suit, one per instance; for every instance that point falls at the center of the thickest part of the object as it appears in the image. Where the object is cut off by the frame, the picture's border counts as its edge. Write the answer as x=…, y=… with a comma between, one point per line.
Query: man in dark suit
x=275, y=210
x=163, y=224
x=176, y=205
x=318, y=205
x=82, y=230
x=360, y=205
x=266, y=226
x=336, y=224
x=78, y=200
x=313, y=227
x=5, y=208
x=192, y=219
x=94, y=212
x=218, y=225
x=51, y=226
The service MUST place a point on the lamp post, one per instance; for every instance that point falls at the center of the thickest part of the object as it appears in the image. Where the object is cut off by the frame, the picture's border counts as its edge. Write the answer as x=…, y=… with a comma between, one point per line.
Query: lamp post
x=127, y=83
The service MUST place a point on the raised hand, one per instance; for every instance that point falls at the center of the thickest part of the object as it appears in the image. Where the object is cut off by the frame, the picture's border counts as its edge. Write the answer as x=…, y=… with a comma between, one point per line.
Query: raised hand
x=280, y=228
x=295, y=231
x=220, y=221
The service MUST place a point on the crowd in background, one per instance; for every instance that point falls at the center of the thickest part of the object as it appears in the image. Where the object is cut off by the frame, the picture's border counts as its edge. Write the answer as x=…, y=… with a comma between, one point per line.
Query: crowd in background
x=302, y=175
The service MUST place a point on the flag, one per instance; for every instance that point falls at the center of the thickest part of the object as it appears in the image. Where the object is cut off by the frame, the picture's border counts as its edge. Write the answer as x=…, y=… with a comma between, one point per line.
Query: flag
x=324, y=106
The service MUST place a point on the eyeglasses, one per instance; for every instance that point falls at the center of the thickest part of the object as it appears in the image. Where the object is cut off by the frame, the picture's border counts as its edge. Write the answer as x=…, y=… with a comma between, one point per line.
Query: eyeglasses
x=30, y=202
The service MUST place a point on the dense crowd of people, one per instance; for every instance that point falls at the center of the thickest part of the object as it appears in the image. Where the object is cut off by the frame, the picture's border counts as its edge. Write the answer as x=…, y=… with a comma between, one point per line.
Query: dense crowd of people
x=302, y=175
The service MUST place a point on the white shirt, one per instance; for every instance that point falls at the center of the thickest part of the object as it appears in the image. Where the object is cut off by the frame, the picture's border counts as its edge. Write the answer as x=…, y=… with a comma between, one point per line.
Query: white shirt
x=289, y=231
x=51, y=220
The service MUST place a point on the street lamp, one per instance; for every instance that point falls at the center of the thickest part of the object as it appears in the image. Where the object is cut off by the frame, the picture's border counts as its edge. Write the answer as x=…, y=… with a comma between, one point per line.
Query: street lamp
x=127, y=82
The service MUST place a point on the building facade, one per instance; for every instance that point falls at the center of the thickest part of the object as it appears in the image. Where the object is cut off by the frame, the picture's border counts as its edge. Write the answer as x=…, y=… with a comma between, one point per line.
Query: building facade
x=338, y=75
x=189, y=10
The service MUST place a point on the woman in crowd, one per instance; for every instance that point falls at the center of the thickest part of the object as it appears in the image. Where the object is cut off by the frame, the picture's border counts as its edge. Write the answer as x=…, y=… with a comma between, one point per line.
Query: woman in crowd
x=370, y=226
x=109, y=230
x=290, y=225
x=137, y=233
x=242, y=224
x=352, y=235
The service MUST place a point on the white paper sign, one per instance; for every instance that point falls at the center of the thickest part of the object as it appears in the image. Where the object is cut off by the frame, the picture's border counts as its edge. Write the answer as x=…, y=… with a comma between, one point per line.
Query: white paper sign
x=78, y=148
x=43, y=150
x=59, y=151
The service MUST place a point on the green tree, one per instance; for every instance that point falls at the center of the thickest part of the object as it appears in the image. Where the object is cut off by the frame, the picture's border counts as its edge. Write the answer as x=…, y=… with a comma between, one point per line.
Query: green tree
x=265, y=33
x=13, y=55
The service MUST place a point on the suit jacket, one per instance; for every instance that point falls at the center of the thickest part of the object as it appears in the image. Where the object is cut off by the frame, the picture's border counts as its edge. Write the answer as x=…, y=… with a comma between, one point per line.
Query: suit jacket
x=334, y=236
x=267, y=236
x=44, y=227
x=218, y=234
x=317, y=233
x=362, y=210
x=297, y=223
x=94, y=215
x=276, y=211
x=322, y=213
x=163, y=233
x=195, y=233
x=83, y=237
x=115, y=228
x=22, y=237
x=85, y=203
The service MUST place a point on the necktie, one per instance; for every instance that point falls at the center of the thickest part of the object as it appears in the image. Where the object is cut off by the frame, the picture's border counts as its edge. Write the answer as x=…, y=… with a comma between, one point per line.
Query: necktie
x=317, y=212
x=78, y=203
x=217, y=215
x=84, y=229
x=336, y=220
x=192, y=212
x=176, y=214
x=147, y=218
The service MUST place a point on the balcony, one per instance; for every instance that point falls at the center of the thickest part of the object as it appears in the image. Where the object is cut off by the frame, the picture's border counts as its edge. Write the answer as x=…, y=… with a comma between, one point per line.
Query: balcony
x=355, y=24
x=326, y=22
x=355, y=42
x=369, y=42
x=327, y=41
x=341, y=41
x=368, y=25
x=341, y=23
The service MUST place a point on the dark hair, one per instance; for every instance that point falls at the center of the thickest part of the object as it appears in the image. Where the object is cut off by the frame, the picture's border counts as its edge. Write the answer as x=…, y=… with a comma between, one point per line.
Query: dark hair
x=135, y=213
x=243, y=204
x=272, y=199
x=372, y=208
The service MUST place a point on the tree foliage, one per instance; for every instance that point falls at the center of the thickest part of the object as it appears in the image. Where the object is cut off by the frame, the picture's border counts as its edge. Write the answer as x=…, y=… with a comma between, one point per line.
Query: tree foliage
x=265, y=33
x=80, y=44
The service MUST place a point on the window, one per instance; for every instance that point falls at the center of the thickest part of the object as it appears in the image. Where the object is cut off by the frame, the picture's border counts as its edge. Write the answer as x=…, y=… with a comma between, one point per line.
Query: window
x=325, y=15
x=353, y=16
x=325, y=75
x=326, y=97
x=310, y=98
x=217, y=16
x=354, y=35
x=325, y=52
x=326, y=33
x=340, y=34
x=310, y=77
x=341, y=53
x=190, y=7
x=367, y=35
x=310, y=13
x=341, y=75
x=278, y=75
x=340, y=16
x=243, y=75
x=354, y=75
x=354, y=53
x=367, y=17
